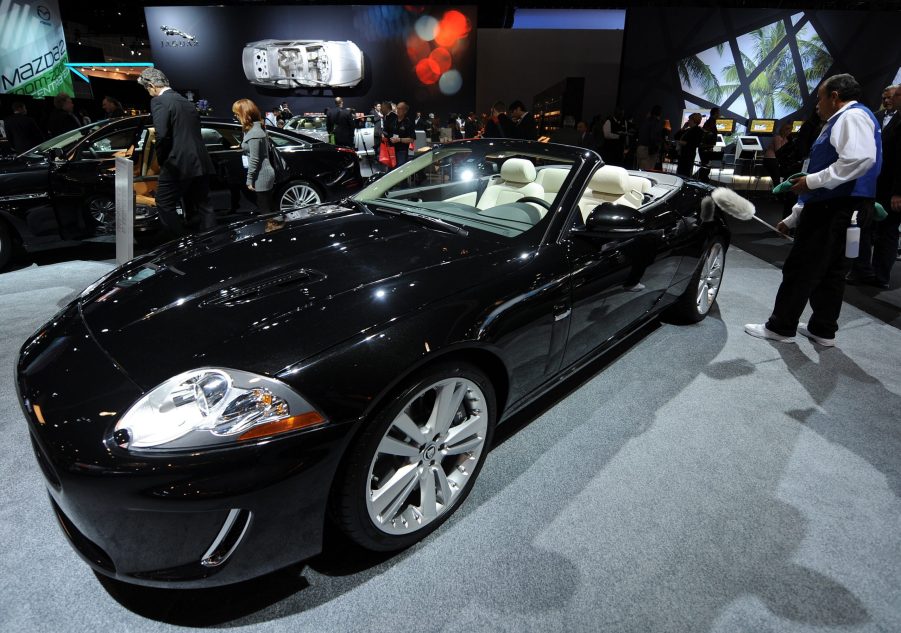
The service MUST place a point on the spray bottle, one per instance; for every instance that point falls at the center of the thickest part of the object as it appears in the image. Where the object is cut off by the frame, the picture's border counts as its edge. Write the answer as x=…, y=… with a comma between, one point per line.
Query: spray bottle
x=852, y=238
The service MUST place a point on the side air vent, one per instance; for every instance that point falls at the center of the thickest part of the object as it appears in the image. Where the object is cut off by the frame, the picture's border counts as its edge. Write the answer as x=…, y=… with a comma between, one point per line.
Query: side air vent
x=260, y=287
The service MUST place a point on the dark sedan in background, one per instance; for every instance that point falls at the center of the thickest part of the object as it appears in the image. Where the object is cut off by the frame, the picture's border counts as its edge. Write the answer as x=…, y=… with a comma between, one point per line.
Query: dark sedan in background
x=203, y=414
x=63, y=190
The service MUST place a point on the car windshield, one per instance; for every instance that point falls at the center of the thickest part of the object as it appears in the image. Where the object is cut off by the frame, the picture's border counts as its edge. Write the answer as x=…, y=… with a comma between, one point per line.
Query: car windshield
x=67, y=140
x=503, y=192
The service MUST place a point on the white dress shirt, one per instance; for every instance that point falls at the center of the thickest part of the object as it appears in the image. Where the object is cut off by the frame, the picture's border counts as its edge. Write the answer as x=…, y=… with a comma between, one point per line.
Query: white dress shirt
x=853, y=137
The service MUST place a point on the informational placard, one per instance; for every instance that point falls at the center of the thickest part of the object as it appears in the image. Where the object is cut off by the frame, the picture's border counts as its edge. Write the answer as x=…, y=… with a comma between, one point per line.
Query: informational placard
x=125, y=210
x=33, y=54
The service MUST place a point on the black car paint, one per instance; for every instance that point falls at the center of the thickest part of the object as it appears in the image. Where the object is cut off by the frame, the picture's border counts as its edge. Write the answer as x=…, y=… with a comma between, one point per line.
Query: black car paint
x=379, y=298
x=44, y=198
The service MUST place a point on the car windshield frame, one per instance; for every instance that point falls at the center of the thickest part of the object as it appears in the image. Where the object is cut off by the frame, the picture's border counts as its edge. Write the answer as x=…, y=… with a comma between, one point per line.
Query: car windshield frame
x=67, y=140
x=508, y=222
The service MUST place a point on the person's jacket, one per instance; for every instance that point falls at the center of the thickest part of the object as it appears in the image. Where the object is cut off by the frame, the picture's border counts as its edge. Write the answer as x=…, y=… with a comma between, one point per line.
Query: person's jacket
x=179, y=143
x=22, y=132
x=340, y=122
x=60, y=122
x=889, y=182
x=260, y=174
x=525, y=129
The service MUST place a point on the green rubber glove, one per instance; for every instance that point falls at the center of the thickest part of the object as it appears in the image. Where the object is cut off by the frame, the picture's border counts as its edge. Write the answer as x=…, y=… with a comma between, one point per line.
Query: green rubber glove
x=786, y=184
x=880, y=213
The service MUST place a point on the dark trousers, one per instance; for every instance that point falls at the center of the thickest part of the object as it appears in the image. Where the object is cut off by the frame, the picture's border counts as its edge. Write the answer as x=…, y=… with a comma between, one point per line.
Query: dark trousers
x=885, y=243
x=265, y=201
x=402, y=153
x=195, y=192
x=815, y=268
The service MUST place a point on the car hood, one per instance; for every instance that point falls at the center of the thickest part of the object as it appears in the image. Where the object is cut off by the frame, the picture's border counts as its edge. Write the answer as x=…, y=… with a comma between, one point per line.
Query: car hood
x=266, y=294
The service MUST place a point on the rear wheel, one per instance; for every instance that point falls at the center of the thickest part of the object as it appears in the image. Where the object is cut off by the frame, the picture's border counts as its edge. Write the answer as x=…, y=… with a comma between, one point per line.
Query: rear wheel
x=699, y=297
x=298, y=194
x=417, y=460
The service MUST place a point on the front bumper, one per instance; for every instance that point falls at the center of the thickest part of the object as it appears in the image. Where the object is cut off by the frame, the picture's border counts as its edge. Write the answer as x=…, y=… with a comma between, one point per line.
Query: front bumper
x=186, y=520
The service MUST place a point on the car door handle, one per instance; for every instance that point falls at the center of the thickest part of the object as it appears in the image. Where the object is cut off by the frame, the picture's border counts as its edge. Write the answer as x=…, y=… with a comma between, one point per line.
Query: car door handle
x=561, y=312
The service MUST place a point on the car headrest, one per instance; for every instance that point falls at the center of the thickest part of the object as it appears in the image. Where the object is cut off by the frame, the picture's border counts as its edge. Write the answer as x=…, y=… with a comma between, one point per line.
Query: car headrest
x=639, y=184
x=551, y=178
x=518, y=170
x=610, y=179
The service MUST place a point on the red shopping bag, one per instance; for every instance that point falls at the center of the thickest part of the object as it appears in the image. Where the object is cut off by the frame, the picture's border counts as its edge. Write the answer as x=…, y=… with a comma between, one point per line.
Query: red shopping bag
x=387, y=156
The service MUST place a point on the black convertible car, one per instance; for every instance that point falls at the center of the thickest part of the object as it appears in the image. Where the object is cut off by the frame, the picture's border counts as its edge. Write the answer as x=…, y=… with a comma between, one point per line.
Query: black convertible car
x=204, y=413
x=63, y=190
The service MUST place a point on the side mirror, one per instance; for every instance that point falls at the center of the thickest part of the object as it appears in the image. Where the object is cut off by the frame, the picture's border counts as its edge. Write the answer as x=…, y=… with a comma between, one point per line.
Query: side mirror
x=56, y=153
x=614, y=221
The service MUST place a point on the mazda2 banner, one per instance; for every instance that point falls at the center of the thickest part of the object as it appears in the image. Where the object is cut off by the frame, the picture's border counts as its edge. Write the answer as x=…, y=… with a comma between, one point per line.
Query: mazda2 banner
x=33, y=52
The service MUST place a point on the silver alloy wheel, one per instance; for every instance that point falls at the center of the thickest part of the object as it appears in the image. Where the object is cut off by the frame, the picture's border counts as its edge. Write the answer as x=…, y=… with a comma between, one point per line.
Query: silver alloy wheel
x=297, y=196
x=103, y=212
x=426, y=456
x=710, y=278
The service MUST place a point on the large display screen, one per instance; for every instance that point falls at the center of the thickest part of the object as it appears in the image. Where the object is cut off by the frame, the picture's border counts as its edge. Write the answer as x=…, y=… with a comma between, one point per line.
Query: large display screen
x=308, y=55
x=33, y=53
x=761, y=126
x=768, y=79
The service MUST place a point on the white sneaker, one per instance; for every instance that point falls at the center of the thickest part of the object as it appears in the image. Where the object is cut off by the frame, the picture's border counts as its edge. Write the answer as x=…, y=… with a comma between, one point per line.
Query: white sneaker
x=825, y=342
x=759, y=330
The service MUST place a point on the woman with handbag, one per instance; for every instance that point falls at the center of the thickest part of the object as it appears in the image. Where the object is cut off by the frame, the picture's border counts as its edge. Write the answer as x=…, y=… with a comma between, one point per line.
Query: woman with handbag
x=255, y=145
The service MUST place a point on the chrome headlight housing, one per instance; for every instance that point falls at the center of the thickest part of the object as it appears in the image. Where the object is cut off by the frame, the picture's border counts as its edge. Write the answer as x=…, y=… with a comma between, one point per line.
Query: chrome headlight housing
x=212, y=407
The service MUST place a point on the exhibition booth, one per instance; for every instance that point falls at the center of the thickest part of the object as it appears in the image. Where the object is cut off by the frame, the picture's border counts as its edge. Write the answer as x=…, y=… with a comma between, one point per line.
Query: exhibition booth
x=504, y=385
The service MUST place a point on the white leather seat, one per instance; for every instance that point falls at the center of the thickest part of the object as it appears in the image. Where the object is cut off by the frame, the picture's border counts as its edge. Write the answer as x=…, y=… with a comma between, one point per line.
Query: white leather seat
x=639, y=184
x=609, y=184
x=551, y=179
x=517, y=181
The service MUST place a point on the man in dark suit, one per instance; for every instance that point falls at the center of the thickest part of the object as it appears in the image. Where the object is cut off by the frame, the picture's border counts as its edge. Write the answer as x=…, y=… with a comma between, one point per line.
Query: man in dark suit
x=185, y=164
x=523, y=122
x=21, y=130
x=61, y=120
x=888, y=193
x=340, y=122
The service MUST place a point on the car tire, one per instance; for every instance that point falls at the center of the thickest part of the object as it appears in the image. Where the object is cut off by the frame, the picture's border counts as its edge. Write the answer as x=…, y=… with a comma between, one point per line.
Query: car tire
x=406, y=474
x=298, y=194
x=6, y=245
x=100, y=215
x=695, y=303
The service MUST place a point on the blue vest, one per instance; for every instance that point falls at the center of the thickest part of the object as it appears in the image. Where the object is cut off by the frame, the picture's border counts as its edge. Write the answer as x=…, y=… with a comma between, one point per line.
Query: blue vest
x=823, y=154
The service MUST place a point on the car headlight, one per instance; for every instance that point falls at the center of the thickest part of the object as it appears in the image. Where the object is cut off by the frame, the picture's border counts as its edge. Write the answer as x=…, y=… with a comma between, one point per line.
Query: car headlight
x=211, y=407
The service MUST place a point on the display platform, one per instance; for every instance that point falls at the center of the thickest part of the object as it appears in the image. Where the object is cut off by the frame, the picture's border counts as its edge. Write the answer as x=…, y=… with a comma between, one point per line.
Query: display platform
x=703, y=480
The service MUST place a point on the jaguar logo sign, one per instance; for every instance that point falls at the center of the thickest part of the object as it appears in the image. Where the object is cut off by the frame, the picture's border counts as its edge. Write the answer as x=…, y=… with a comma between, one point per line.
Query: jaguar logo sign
x=186, y=38
x=43, y=13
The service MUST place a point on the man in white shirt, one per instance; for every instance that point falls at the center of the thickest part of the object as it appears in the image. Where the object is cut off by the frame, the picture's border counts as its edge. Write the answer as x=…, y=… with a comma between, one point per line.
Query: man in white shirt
x=844, y=164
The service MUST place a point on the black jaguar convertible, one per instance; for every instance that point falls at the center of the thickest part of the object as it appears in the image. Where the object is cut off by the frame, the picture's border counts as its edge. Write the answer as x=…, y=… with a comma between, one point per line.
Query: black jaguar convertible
x=203, y=414
x=62, y=191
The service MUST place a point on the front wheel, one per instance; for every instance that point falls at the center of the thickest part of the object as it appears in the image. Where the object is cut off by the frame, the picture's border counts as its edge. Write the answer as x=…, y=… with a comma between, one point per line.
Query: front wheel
x=699, y=297
x=298, y=194
x=417, y=460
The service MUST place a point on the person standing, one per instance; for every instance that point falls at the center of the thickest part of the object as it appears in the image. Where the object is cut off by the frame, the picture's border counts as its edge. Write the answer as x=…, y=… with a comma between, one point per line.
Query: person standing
x=586, y=138
x=887, y=107
x=185, y=165
x=875, y=268
x=650, y=138
x=844, y=164
x=614, y=131
x=689, y=141
x=62, y=119
x=112, y=107
x=340, y=122
x=498, y=124
x=401, y=133
x=770, y=155
x=255, y=145
x=21, y=130
x=470, y=126
x=523, y=122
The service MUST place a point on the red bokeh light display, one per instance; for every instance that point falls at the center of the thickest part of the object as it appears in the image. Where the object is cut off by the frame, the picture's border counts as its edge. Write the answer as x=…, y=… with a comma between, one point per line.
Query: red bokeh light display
x=428, y=71
x=442, y=57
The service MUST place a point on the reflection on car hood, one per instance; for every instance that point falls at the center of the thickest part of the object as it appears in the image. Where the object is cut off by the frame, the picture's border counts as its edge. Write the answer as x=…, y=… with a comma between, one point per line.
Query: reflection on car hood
x=269, y=293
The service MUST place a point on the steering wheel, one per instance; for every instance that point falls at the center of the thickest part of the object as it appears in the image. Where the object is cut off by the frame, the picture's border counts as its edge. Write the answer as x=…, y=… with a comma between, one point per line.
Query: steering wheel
x=541, y=202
